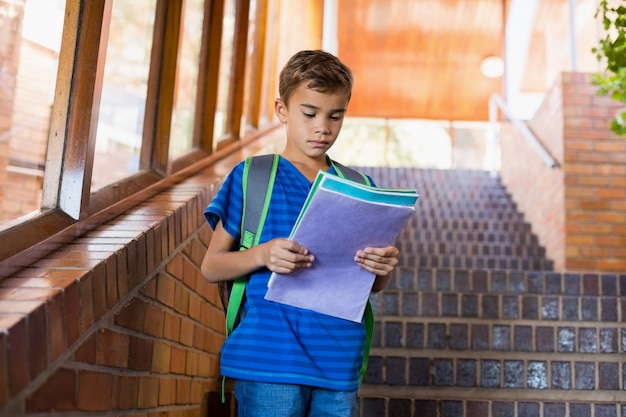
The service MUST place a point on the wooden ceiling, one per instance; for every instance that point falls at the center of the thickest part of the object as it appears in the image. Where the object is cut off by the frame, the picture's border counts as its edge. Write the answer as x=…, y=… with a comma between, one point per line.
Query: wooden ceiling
x=421, y=58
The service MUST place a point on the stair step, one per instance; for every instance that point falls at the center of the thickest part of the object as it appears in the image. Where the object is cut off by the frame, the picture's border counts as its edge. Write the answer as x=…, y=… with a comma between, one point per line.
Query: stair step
x=408, y=303
x=480, y=262
x=403, y=401
x=507, y=282
x=467, y=237
x=539, y=373
x=466, y=337
x=475, y=249
x=489, y=225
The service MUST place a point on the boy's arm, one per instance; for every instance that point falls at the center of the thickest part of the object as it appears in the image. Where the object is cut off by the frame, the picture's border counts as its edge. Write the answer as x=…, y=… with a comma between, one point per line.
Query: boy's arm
x=224, y=261
x=380, y=261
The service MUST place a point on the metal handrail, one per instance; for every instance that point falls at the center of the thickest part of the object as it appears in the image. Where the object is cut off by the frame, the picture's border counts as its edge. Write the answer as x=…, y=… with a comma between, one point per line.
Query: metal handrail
x=495, y=101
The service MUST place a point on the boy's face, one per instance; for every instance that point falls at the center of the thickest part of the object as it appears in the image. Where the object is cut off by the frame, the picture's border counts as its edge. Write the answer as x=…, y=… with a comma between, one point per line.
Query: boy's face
x=312, y=120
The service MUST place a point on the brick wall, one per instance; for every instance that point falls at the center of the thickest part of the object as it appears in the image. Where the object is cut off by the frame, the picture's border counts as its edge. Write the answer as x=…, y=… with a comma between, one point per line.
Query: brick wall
x=118, y=320
x=595, y=170
x=578, y=209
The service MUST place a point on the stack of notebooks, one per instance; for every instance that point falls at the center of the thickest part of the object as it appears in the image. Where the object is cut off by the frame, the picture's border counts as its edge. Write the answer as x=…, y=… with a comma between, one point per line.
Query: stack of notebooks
x=339, y=218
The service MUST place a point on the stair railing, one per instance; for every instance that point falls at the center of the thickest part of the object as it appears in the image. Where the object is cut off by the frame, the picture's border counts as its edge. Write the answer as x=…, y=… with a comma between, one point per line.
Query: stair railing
x=495, y=102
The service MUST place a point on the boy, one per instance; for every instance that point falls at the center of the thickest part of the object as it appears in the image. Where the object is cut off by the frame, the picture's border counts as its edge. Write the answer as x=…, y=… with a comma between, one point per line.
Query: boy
x=291, y=362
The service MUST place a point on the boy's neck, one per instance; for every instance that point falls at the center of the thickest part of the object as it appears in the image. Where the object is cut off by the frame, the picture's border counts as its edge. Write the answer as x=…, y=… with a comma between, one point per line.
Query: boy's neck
x=309, y=167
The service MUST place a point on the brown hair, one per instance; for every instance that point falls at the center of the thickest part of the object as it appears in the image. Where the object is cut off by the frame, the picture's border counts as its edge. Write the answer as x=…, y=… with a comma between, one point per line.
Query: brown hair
x=318, y=70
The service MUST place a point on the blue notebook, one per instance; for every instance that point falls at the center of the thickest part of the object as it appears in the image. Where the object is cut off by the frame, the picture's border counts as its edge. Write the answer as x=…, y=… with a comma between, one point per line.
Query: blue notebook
x=339, y=218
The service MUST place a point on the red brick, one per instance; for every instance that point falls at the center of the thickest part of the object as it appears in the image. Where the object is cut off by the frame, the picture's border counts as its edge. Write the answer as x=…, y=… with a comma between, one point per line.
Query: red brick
x=167, y=391
x=71, y=313
x=150, y=289
x=609, y=169
x=113, y=348
x=181, y=299
x=148, y=392
x=125, y=392
x=189, y=274
x=186, y=332
x=195, y=307
x=57, y=393
x=87, y=351
x=610, y=193
x=161, y=358
x=140, y=353
x=94, y=391
x=610, y=146
x=165, y=290
x=37, y=342
x=178, y=360
x=111, y=281
x=592, y=205
x=86, y=303
x=611, y=218
x=142, y=262
x=176, y=266
x=183, y=391
x=57, y=327
x=580, y=265
x=192, y=366
x=99, y=291
x=612, y=265
x=122, y=273
x=150, y=250
x=195, y=250
x=171, y=326
x=17, y=354
x=133, y=315
x=153, y=324
x=133, y=261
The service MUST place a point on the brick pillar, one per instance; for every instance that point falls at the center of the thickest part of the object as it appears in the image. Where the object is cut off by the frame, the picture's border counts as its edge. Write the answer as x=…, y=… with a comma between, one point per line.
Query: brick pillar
x=578, y=210
x=595, y=179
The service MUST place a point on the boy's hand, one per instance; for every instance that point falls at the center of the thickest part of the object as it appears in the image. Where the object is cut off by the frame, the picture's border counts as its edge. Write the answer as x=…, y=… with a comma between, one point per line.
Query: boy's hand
x=380, y=261
x=284, y=256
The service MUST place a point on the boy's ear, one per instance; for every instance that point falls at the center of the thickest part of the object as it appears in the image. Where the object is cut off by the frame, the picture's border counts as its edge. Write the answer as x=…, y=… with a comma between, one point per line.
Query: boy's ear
x=281, y=110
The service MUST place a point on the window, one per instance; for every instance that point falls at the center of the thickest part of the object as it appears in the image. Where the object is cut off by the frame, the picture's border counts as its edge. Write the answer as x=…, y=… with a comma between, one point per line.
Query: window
x=124, y=90
x=225, y=71
x=183, y=116
x=29, y=58
x=101, y=99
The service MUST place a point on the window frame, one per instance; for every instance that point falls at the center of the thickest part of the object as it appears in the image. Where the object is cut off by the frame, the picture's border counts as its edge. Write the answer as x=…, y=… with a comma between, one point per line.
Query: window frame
x=72, y=135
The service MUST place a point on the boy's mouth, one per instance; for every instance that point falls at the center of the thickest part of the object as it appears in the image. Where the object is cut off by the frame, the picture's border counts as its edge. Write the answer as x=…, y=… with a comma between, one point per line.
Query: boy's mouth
x=318, y=143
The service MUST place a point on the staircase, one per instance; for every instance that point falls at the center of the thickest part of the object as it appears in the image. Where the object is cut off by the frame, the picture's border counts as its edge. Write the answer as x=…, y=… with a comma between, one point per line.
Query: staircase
x=476, y=323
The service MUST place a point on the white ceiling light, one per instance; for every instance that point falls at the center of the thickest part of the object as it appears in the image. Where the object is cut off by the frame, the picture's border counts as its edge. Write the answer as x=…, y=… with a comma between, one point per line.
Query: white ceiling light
x=492, y=67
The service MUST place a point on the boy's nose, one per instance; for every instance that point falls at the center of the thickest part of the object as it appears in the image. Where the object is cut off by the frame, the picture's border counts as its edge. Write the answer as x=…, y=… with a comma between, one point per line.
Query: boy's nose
x=323, y=127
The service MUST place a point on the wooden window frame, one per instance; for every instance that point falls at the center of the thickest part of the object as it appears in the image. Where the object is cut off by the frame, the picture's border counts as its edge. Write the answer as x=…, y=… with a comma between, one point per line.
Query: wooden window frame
x=68, y=207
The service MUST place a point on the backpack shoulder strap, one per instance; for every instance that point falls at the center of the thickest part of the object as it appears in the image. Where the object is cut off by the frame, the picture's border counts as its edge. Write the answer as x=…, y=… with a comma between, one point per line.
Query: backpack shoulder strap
x=259, y=174
x=350, y=174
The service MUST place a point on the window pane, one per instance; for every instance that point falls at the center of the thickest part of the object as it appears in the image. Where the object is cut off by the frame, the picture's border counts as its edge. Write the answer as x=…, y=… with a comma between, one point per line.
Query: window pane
x=249, y=66
x=181, y=137
x=30, y=39
x=125, y=84
x=223, y=88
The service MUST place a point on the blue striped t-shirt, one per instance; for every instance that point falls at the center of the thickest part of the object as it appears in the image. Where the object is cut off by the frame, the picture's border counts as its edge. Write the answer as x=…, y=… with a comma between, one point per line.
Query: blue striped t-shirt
x=275, y=342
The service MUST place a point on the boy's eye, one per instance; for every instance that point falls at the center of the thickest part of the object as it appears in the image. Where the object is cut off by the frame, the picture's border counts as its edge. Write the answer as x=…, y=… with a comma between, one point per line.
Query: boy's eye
x=335, y=117
x=309, y=115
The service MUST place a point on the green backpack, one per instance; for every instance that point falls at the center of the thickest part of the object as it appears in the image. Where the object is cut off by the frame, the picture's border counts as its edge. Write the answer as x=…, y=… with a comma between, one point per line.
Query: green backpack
x=259, y=174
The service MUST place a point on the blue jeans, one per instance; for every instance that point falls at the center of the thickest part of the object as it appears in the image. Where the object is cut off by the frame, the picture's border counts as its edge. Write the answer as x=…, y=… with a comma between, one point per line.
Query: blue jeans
x=260, y=399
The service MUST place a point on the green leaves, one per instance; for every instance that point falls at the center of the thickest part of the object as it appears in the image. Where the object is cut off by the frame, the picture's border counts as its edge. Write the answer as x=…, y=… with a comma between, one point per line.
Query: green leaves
x=611, y=53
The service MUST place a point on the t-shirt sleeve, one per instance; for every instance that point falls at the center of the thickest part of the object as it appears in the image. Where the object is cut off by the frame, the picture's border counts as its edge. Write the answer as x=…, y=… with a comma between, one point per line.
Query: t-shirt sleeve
x=227, y=205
